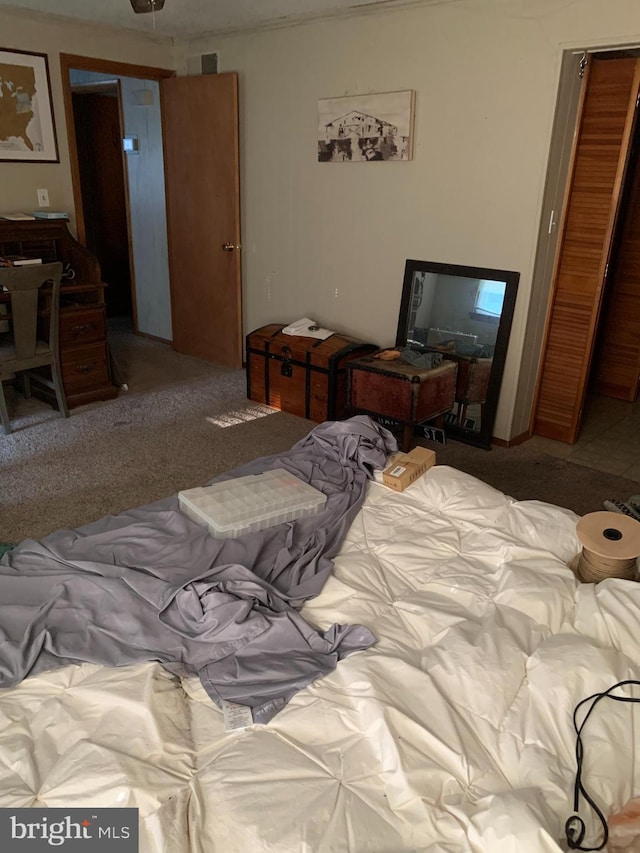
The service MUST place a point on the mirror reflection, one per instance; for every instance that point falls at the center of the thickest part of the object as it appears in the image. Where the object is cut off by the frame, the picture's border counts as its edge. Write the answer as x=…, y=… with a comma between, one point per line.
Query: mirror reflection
x=464, y=314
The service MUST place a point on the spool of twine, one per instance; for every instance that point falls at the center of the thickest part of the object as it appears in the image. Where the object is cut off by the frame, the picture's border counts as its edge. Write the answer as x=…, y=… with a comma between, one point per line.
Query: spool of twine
x=610, y=547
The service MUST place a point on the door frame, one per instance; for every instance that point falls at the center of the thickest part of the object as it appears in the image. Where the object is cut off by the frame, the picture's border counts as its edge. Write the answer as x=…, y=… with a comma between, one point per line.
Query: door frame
x=97, y=88
x=99, y=66
x=569, y=97
x=569, y=146
x=69, y=61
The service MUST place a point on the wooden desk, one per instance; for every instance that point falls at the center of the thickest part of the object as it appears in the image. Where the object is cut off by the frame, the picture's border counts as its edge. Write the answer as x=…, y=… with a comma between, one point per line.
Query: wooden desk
x=84, y=349
x=394, y=389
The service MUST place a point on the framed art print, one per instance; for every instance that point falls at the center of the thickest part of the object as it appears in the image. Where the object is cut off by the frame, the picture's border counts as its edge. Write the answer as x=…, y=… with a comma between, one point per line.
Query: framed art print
x=366, y=128
x=27, y=127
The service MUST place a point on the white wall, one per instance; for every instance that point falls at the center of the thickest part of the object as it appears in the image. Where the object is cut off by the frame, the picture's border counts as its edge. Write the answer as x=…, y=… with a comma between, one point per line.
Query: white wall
x=328, y=240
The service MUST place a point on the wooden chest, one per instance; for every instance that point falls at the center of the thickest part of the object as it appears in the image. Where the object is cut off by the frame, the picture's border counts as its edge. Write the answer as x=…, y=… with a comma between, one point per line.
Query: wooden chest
x=300, y=375
x=402, y=392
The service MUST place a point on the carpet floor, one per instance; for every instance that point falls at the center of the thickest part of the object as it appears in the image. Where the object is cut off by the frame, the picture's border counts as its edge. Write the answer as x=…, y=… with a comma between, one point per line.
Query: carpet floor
x=183, y=421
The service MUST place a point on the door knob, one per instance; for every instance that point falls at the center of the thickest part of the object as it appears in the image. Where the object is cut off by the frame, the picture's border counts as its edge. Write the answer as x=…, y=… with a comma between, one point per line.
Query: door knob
x=230, y=247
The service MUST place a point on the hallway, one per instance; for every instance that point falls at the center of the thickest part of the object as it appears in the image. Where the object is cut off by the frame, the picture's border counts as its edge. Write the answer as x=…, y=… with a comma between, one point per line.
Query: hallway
x=609, y=439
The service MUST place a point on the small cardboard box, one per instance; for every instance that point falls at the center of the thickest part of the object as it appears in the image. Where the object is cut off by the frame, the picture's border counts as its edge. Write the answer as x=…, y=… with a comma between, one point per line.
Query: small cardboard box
x=407, y=467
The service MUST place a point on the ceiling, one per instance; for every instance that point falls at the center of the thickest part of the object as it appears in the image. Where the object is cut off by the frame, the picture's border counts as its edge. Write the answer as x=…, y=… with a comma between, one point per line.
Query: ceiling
x=183, y=19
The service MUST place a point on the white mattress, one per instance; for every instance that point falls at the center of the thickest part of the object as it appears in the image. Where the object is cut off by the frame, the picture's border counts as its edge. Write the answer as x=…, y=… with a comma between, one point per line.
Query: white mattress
x=453, y=733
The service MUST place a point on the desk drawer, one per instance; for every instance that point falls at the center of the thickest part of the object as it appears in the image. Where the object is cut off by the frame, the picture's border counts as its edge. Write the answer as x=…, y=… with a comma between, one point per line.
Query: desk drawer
x=85, y=368
x=81, y=327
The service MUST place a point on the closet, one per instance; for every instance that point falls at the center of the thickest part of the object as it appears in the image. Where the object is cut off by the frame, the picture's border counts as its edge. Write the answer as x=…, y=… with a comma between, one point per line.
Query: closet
x=592, y=336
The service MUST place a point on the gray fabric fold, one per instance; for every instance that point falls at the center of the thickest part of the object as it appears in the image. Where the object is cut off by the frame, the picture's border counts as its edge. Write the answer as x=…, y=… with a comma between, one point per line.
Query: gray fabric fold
x=150, y=584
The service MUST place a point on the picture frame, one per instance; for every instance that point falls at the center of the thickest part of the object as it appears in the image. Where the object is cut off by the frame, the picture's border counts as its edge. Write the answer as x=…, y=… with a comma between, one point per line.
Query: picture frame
x=366, y=128
x=27, y=126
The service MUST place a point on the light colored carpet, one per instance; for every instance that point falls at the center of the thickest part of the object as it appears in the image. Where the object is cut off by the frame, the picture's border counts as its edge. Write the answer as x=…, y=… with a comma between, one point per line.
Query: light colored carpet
x=181, y=422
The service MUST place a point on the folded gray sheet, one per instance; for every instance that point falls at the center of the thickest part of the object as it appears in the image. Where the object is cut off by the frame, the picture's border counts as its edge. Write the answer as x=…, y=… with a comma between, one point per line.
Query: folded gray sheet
x=150, y=584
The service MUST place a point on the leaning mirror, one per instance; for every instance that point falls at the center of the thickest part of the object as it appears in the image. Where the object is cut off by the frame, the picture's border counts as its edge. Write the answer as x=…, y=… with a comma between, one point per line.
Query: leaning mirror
x=464, y=313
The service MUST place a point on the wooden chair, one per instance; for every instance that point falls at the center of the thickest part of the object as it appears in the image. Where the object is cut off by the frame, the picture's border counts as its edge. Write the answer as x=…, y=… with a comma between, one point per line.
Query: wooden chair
x=472, y=384
x=24, y=350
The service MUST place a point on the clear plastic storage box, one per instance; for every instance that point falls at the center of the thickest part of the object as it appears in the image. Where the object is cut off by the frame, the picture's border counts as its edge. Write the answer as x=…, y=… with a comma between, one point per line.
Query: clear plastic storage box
x=248, y=504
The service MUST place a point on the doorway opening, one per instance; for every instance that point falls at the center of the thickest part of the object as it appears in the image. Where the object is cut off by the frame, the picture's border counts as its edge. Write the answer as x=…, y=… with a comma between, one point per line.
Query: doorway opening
x=615, y=369
x=114, y=129
x=182, y=189
x=595, y=213
x=97, y=113
x=588, y=379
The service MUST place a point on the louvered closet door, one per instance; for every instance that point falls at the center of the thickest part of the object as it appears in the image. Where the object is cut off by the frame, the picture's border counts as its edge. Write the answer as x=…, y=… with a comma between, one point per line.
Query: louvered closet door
x=616, y=365
x=600, y=156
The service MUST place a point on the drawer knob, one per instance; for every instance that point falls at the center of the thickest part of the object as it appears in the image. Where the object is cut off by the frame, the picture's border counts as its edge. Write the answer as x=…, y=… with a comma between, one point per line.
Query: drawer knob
x=85, y=368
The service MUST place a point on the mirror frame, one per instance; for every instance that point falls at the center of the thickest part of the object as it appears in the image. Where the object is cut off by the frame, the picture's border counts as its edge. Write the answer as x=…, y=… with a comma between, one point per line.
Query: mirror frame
x=483, y=436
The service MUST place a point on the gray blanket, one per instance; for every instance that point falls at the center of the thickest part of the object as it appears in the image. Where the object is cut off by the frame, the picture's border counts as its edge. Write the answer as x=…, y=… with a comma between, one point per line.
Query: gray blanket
x=152, y=585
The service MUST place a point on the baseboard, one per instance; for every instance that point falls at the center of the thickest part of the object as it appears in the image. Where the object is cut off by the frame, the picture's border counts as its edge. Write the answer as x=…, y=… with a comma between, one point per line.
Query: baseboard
x=153, y=337
x=512, y=442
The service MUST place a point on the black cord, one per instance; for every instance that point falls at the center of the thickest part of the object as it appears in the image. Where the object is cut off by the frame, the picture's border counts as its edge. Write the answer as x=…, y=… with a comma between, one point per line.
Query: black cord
x=575, y=828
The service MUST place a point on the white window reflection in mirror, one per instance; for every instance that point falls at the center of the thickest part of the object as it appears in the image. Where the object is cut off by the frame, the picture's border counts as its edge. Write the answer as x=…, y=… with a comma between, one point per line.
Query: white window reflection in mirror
x=489, y=298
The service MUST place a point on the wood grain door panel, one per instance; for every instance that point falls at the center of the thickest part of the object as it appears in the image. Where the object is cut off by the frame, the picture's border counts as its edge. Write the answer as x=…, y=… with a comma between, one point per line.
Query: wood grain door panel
x=617, y=365
x=200, y=134
x=599, y=162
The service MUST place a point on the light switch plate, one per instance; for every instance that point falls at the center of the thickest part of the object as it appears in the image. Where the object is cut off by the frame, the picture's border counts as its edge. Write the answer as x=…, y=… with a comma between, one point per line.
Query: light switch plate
x=43, y=198
x=130, y=145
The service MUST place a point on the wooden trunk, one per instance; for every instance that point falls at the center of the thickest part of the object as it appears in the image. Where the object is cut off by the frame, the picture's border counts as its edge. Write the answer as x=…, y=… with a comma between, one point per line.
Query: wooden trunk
x=300, y=375
x=401, y=391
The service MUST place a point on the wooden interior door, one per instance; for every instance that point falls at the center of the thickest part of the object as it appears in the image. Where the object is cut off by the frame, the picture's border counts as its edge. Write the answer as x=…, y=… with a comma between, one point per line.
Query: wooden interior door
x=596, y=178
x=616, y=364
x=200, y=134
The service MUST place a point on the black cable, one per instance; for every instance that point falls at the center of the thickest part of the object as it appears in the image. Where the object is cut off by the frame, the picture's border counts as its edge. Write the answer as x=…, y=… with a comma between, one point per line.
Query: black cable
x=575, y=828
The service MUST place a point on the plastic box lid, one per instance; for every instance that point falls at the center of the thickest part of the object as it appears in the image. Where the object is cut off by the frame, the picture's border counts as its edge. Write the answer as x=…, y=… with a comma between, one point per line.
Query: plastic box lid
x=251, y=503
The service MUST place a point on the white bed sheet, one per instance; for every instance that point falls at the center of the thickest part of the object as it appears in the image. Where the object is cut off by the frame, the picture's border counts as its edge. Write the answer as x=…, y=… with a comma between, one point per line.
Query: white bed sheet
x=453, y=733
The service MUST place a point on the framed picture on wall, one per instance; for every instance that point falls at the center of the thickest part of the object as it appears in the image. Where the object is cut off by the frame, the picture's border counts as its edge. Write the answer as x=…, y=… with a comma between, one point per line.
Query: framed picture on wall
x=366, y=128
x=27, y=127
